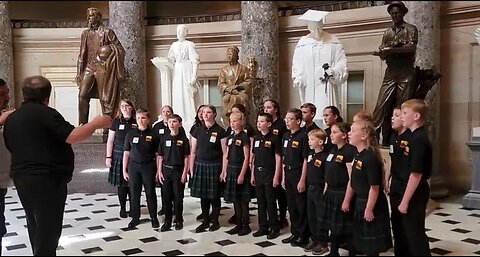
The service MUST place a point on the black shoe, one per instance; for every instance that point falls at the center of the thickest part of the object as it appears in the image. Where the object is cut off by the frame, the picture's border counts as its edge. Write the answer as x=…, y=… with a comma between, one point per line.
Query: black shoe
x=333, y=254
x=166, y=226
x=300, y=242
x=310, y=246
x=273, y=234
x=234, y=230
x=123, y=214
x=214, y=227
x=178, y=225
x=133, y=223
x=202, y=228
x=232, y=219
x=260, y=232
x=283, y=223
x=161, y=212
x=289, y=239
x=245, y=231
x=155, y=223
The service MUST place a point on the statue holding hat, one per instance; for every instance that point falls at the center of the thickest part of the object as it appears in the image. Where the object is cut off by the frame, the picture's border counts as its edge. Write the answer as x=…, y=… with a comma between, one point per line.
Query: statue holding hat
x=398, y=50
x=319, y=63
x=100, y=67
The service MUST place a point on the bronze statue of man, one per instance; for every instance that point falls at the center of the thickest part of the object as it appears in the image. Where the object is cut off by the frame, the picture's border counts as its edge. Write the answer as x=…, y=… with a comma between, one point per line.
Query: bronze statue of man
x=100, y=67
x=398, y=50
x=234, y=84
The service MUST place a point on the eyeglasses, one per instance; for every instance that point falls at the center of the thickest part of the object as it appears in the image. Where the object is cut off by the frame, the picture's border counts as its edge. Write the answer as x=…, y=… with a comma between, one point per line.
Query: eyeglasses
x=289, y=119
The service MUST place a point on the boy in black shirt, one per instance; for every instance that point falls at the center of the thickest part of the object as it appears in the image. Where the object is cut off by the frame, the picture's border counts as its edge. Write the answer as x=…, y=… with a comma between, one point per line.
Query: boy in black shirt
x=267, y=166
x=173, y=157
x=295, y=152
x=139, y=167
x=418, y=154
x=308, y=113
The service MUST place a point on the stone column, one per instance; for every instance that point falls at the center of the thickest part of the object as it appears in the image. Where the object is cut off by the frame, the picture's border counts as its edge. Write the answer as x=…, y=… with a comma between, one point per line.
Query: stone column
x=127, y=20
x=426, y=16
x=260, y=40
x=6, y=49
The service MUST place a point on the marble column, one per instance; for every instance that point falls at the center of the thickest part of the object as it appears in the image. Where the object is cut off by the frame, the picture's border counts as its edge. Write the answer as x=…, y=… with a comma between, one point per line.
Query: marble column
x=6, y=49
x=127, y=20
x=260, y=40
x=426, y=16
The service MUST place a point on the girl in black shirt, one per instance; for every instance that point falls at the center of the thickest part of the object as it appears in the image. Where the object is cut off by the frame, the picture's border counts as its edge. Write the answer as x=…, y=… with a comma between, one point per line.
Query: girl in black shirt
x=208, y=151
x=338, y=192
x=331, y=115
x=236, y=174
x=114, y=158
x=371, y=227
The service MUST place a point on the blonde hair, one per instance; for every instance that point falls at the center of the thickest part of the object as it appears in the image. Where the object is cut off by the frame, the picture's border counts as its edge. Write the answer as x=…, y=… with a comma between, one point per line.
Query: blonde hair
x=418, y=106
x=372, y=142
x=364, y=115
x=318, y=133
x=237, y=115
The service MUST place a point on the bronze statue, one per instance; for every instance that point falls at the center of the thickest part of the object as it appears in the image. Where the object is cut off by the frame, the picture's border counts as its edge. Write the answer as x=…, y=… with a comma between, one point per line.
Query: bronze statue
x=398, y=50
x=100, y=67
x=234, y=84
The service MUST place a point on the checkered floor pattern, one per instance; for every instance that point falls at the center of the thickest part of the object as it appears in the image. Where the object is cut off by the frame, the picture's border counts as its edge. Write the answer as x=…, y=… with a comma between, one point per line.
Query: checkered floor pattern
x=92, y=227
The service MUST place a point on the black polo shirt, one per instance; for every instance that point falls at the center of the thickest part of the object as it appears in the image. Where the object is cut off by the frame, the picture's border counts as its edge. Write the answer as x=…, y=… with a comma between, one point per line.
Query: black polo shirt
x=209, y=148
x=399, y=162
x=174, y=149
x=162, y=129
x=366, y=171
x=279, y=128
x=327, y=145
x=312, y=127
x=36, y=135
x=193, y=128
x=248, y=129
x=419, y=152
x=264, y=148
x=121, y=126
x=235, y=144
x=142, y=145
x=336, y=173
x=295, y=149
x=316, y=168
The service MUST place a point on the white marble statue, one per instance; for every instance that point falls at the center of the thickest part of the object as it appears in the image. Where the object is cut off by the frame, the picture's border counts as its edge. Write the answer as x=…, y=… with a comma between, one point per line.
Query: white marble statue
x=477, y=35
x=312, y=53
x=184, y=59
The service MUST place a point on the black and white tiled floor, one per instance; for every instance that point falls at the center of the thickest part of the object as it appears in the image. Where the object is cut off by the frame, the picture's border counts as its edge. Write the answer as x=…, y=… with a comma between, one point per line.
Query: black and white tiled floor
x=92, y=227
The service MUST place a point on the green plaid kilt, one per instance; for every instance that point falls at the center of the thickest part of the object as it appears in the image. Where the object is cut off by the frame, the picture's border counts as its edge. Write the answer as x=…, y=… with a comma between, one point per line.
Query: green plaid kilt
x=375, y=236
x=233, y=191
x=206, y=181
x=115, y=175
x=340, y=223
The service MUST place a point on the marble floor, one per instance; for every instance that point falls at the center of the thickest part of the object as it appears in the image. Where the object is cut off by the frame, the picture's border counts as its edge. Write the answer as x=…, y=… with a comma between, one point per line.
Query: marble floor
x=92, y=227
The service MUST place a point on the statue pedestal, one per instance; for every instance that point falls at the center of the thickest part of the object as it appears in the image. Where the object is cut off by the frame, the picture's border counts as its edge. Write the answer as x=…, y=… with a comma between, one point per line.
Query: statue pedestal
x=472, y=199
x=431, y=206
x=165, y=67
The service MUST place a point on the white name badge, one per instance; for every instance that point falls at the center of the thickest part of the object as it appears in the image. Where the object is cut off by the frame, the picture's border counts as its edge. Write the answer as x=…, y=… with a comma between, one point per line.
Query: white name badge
x=229, y=141
x=161, y=131
x=326, y=140
x=213, y=139
x=257, y=143
x=168, y=143
x=391, y=148
x=121, y=127
x=310, y=157
x=285, y=143
x=330, y=157
x=135, y=140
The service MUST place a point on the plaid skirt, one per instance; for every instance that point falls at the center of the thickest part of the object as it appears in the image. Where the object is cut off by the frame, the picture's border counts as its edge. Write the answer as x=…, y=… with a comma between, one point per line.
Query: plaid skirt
x=233, y=191
x=115, y=175
x=206, y=181
x=372, y=237
x=340, y=223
